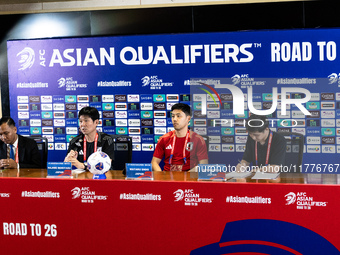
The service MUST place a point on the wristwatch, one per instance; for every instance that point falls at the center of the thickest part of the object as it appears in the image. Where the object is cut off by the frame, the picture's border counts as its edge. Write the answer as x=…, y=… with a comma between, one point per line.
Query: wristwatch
x=85, y=166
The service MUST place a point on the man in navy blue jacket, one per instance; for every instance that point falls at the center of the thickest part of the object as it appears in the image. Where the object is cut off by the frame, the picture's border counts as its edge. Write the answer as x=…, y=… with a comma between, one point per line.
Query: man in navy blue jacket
x=16, y=149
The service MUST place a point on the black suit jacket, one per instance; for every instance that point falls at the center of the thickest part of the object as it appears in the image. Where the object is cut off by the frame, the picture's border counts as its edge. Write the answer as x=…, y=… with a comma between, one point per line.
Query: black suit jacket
x=29, y=155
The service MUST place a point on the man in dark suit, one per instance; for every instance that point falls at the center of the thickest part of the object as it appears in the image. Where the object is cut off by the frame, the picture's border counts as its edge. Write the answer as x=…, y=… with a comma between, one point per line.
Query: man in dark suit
x=15, y=148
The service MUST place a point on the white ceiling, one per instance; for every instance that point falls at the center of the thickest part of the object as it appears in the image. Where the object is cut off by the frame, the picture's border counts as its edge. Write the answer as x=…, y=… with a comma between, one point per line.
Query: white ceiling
x=40, y=6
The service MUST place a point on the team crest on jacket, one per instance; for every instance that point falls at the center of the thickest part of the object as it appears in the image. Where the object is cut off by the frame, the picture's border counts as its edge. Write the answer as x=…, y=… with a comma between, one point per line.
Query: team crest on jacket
x=190, y=145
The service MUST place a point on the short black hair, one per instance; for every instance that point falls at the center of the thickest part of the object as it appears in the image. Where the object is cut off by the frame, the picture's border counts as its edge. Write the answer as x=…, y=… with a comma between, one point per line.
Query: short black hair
x=6, y=119
x=257, y=123
x=183, y=107
x=89, y=111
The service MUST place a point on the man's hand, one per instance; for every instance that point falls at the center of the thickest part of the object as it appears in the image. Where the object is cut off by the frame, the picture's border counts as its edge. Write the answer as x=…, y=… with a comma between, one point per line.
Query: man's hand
x=241, y=167
x=76, y=163
x=8, y=163
x=71, y=156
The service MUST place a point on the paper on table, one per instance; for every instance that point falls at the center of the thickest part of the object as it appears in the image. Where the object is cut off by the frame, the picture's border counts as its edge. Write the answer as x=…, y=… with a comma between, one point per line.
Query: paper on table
x=237, y=175
x=78, y=171
x=264, y=175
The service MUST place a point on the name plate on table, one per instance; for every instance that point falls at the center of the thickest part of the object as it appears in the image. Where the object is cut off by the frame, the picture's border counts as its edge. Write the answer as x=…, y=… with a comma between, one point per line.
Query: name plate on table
x=211, y=172
x=59, y=170
x=139, y=171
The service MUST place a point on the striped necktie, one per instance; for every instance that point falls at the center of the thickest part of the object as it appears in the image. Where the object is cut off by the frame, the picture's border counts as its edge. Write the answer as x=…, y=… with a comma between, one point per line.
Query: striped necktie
x=8, y=151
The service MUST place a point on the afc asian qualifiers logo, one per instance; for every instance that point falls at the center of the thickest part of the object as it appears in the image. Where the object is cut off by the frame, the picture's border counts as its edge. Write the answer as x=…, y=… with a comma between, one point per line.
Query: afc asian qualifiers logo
x=27, y=57
x=145, y=81
x=179, y=195
x=303, y=201
x=262, y=236
x=61, y=82
x=75, y=193
x=190, y=198
x=290, y=198
x=87, y=195
x=236, y=79
x=334, y=78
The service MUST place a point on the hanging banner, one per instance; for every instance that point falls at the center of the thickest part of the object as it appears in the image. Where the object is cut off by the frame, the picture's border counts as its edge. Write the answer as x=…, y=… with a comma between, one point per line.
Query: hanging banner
x=51, y=216
x=134, y=80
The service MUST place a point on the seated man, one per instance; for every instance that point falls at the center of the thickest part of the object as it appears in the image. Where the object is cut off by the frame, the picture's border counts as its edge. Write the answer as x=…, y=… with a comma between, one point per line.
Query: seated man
x=181, y=148
x=265, y=149
x=16, y=149
x=90, y=141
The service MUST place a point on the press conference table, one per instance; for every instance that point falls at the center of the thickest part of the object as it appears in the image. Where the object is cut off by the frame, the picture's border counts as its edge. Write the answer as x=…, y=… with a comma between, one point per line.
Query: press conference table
x=174, y=214
x=293, y=178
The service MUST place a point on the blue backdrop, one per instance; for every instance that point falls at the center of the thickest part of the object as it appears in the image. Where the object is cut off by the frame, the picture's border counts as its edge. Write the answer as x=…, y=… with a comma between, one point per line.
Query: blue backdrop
x=134, y=80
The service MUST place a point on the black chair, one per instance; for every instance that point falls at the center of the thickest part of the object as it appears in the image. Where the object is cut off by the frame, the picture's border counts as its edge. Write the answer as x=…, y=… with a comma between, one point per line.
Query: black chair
x=123, y=151
x=294, y=152
x=42, y=143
